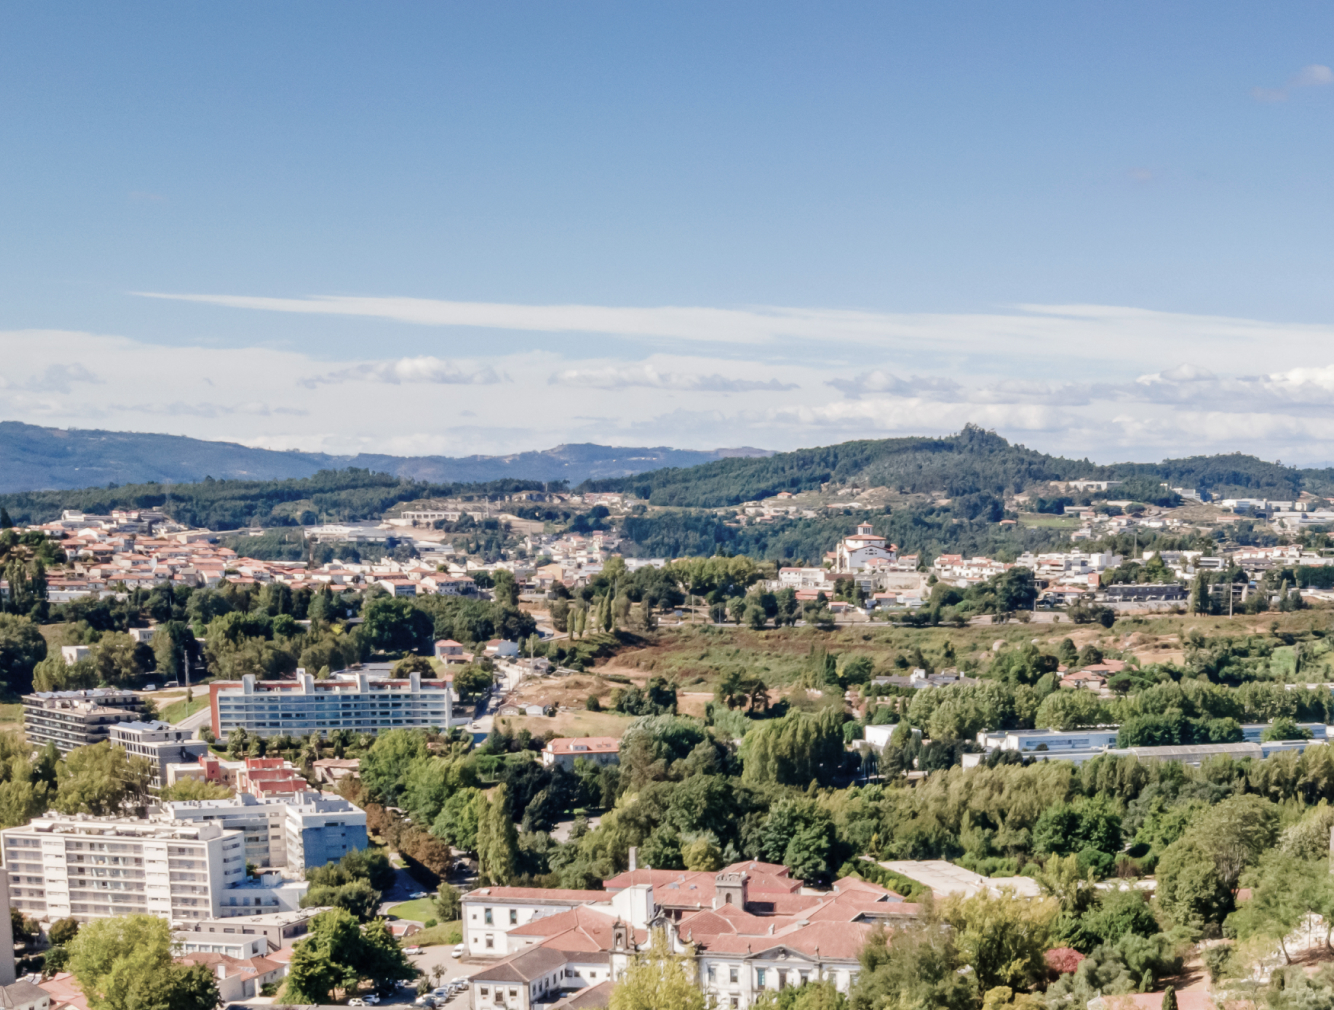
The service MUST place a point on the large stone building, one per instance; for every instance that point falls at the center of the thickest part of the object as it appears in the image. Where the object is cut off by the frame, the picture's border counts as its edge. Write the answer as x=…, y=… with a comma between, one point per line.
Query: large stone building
x=750, y=929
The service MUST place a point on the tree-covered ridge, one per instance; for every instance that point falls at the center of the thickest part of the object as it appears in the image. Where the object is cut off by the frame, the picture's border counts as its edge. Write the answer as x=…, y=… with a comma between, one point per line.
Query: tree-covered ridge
x=329, y=496
x=972, y=462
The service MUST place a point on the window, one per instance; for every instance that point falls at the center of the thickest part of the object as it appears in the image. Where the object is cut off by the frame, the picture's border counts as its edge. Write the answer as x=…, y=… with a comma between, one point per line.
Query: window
x=711, y=973
x=490, y=941
x=732, y=974
x=514, y=916
x=782, y=978
x=759, y=977
x=735, y=1003
x=514, y=994
x=487, y=917
x=485, y=992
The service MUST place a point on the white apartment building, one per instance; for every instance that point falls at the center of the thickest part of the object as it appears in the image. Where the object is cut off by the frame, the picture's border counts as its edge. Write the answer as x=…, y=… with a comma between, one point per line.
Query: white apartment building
x=295, y=831
x=358, y=701
x=95, y=867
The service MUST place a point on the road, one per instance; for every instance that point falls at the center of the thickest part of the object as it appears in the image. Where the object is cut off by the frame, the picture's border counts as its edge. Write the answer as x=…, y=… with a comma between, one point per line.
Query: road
x=509, y=675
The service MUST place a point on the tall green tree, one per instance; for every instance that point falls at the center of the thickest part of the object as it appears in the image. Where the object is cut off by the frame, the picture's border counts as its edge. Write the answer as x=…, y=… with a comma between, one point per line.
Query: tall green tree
x=497, y=839
x=125, y=963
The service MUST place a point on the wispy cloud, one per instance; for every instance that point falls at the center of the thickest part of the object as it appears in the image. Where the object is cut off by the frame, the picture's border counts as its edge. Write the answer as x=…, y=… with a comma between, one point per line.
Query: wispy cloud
x=420, y=369
x=55, y=379
x=650, y=377
x=1039, y=333
x=181, y=409
x=1314, y=76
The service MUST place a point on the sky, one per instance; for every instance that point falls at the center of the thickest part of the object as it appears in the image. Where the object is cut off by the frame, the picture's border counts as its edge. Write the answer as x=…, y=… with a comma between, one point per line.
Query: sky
x=435, y=228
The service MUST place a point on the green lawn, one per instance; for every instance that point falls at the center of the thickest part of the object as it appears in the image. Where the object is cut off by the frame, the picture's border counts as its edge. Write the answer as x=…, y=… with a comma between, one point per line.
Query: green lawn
x=447, y=932
x=419, y=910
x=179, y=710
x=1040, y=521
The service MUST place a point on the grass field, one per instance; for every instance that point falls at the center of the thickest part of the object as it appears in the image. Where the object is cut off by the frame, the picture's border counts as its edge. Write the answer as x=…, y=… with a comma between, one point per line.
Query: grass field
x=182, y=709
x=11, y=718
x=571, y=723
x=419, y=910
x=1048, y=522
x=446, y=932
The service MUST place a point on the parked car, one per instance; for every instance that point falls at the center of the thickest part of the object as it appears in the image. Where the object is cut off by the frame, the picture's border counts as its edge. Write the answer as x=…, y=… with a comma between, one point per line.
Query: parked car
x=457, y=951
x=442, y=991
x=412, y=950
x=424, y=1001
x=356, y=1002
x=372, y=999
x=418, y=894
x=150, y=687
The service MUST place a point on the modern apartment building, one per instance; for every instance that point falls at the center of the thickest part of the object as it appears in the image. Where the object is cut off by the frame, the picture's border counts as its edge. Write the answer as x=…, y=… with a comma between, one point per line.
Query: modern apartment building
x=95, y=867
x=72, y=719
x=352, y=700
x=297, y=832
x=159, y=742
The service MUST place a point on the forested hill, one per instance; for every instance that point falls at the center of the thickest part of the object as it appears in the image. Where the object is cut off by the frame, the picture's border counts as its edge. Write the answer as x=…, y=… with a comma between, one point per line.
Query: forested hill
x=970, y=462
x=33, y=458
x=329, y=496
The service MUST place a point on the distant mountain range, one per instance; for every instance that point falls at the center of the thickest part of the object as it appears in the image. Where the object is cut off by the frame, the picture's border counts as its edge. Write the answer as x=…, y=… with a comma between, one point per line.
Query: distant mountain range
x=33, y=458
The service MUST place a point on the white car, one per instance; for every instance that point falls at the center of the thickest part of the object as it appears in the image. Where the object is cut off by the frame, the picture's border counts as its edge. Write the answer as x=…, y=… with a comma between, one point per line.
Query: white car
x=356, y=1002
x=418, y=894
x=412, y=950
x=457, y=951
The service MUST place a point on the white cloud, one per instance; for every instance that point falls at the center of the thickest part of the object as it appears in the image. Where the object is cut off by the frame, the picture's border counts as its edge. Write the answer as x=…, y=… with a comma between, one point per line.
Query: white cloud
x=419, y=369
x=622, y=377
x=55, y=379
x=1313, y=76
x=1046, y=335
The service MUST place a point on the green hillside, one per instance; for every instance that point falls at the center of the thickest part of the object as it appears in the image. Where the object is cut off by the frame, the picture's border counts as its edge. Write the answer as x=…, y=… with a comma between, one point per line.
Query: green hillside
x=973, y=461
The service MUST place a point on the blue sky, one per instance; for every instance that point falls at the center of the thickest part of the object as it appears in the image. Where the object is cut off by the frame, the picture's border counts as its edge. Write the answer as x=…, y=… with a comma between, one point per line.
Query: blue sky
x=1102, y=230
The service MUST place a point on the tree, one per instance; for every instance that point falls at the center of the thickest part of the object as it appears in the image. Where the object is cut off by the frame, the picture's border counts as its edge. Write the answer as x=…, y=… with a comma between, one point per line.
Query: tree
x=102, y=780
x=1284, y=890
x=505, y=591
x=1071, y=709
x=356, y=897
x=394, y=625
x=497, y=840
x=115, y=657
x=195, y=789
x=919, y=971
x=386, y=764
x=324, y=961
x=125, y=963
x=1002, y=938
x=449, y=903
x=62, y=931
x=21, y=648
x=657, y=978
x=795, y=749
x=413, y=664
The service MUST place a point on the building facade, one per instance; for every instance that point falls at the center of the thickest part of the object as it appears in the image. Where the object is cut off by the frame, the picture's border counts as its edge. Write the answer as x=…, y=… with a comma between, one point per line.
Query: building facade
x=297, y=831
x=72, y=719
x=94, y=867
x=158, y=742
x=354, y=701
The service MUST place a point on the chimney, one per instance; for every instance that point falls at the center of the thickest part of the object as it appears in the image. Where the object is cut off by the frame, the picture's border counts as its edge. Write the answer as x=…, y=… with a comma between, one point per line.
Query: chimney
x=634, y=858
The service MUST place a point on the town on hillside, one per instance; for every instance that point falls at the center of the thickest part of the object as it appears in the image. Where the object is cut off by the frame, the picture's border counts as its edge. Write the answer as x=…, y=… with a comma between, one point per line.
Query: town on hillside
x=509, y=761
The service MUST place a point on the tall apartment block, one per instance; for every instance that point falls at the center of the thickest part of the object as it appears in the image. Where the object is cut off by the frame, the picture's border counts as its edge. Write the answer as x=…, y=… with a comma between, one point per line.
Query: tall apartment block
x=72, y=719
x=352, y=700
x=297, y=832
x=95, y=867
